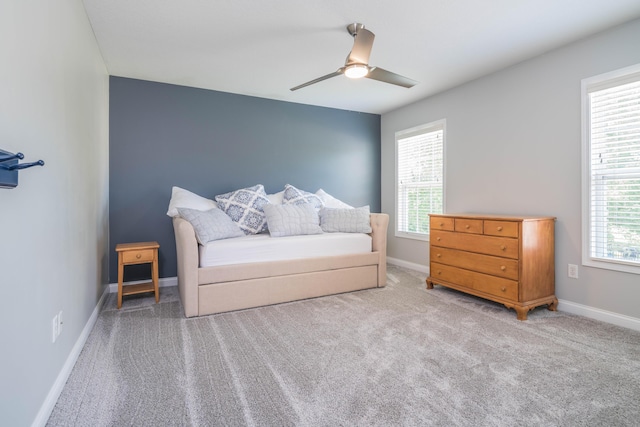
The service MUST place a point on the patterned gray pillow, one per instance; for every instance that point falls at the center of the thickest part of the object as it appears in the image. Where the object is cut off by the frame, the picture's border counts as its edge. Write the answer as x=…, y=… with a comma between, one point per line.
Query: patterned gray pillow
x=210, y=225
x=292, y=220
x=294, y=196
x=245, y=207
x=355, y=220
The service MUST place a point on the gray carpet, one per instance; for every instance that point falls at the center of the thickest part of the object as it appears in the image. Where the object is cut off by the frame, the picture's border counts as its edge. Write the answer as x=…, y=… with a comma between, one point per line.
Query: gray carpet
x=400, y=355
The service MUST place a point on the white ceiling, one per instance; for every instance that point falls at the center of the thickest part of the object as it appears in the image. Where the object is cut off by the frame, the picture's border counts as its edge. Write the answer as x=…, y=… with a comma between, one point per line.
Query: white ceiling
x=263, y=48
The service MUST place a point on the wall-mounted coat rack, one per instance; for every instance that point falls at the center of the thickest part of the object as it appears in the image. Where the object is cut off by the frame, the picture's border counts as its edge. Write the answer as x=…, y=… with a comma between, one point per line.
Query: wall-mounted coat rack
x=9, y=167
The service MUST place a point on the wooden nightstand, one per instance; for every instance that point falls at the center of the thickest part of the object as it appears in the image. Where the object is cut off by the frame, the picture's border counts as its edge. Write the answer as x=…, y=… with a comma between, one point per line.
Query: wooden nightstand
x=138, y=253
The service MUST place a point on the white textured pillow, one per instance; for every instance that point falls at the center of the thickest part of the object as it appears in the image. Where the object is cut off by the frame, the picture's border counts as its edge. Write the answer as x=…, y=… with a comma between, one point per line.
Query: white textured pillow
x=276, y=199
x=210, y=225
x=294, y=196
x=330, y=201
x=354, y=220
x=181, y=198
x=292, y=220
x=245, y=207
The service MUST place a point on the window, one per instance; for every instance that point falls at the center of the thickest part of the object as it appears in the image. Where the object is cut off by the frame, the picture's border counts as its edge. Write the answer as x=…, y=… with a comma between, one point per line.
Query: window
x=611, y=170
x=419, y=179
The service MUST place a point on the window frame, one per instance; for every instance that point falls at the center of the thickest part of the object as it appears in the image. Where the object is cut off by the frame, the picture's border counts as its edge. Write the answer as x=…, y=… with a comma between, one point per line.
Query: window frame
x=588, y=85
x=425, y=128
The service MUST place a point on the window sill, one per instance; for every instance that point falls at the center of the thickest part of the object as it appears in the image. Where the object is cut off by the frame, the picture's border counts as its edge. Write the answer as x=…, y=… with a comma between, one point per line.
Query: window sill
x=622, y=267
x=412, y=236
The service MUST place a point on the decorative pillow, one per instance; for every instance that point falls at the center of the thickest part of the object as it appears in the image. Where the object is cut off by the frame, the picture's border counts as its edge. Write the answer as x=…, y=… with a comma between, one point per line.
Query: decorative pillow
x=292, y=220
x=210, y=225
x=276, y=199
x=330, y=201
x=354, y=220
x=245, y=206
x=294, y=196
x=181, y=198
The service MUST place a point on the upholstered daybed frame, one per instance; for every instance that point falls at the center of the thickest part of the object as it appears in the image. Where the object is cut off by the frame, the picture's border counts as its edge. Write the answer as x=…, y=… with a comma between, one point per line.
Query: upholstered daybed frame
x=211, y=290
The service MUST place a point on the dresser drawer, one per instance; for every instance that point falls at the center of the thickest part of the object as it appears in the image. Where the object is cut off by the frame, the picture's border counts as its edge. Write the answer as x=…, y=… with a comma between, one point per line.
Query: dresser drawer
x=496, y=286
x=501, y=228
x=140, y=256
x=440, y=223
x=501, y=288
x=496, y=266
x=465, y=225
x=489, y=245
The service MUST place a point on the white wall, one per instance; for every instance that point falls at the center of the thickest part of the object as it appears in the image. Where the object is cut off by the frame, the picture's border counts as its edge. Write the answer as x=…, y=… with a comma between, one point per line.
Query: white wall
x=53, y=226
x=514, y=147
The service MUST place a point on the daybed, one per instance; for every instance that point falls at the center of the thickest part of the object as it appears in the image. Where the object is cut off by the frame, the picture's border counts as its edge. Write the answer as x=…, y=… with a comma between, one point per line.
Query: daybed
x=209, y=290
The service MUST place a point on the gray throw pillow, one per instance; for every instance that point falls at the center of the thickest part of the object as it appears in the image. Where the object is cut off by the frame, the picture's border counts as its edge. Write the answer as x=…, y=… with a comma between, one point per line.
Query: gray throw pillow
x=292, y=220
x=210, y=225
x=355, y=220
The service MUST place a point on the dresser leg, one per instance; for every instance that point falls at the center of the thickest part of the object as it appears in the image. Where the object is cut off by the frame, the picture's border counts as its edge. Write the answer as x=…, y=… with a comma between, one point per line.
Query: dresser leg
x=553, y=306
x=429, y=284
x=522, y=312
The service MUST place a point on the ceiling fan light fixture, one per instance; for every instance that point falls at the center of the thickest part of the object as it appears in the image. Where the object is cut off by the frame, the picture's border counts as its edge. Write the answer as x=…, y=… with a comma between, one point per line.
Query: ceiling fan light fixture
x=357, y=64
x=356, y=71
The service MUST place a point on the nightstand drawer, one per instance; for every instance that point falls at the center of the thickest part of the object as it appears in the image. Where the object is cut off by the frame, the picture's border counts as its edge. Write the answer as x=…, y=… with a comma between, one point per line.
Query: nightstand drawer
x=139, y=256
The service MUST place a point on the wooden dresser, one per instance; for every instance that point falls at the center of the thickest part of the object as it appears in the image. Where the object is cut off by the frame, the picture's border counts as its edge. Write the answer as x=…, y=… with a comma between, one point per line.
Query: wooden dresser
x=505, y=259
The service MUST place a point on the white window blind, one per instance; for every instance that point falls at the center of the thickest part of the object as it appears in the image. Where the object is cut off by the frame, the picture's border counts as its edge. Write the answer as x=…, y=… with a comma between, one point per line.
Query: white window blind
x=614, y=171
x=420, y=178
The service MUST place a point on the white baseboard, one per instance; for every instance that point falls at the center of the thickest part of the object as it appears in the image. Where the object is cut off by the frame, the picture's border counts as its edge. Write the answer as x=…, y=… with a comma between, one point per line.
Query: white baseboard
x=410, y=265
x=599, y=314
x=165, y=281
x=54, y=393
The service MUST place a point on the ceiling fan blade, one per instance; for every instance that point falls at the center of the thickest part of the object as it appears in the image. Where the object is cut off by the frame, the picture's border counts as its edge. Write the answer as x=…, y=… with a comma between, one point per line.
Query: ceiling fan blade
x=377, y=73
x=319, y=79
x=362, y=44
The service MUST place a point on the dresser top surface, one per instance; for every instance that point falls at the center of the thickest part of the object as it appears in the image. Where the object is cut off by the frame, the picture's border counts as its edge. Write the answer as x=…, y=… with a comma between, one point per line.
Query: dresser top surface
x=495, y=217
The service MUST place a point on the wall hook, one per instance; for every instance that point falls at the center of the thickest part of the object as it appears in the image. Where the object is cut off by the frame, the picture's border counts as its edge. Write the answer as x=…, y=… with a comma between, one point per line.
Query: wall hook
x=19, y=166
x=5, y=158
x=9, y=167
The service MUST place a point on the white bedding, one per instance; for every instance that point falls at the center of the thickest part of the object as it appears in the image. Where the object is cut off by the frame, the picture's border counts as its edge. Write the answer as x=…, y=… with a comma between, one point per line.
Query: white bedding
x=262, y=248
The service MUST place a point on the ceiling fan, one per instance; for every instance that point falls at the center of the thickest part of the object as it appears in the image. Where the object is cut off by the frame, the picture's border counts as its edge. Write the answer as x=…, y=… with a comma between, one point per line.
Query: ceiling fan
x=357, y=63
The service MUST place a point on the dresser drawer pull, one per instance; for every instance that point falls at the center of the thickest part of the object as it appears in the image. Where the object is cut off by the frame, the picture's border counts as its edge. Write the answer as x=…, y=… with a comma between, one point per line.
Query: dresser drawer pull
x=442, y=224
x=138, y=256
x=499, y=228
x=438, y=239
x=439, y=272
x=503, y=289
x=438, y=255
x=503, y=247
x=503, y=268
x=467, y=226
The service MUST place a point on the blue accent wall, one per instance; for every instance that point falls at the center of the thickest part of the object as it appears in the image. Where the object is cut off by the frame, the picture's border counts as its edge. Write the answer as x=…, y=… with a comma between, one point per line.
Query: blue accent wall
x=211, y=142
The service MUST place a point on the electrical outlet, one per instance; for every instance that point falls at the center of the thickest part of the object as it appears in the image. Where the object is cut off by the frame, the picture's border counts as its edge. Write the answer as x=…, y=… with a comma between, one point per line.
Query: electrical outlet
x=54, y=328
x=573, y=271
x=60, y=323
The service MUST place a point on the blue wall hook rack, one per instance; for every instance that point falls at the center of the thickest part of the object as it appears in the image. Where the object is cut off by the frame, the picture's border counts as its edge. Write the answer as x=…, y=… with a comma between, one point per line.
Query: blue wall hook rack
x=9, y=167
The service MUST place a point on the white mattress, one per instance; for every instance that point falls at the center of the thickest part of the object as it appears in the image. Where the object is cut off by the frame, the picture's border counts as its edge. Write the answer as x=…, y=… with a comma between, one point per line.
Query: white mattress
x=263, y=247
